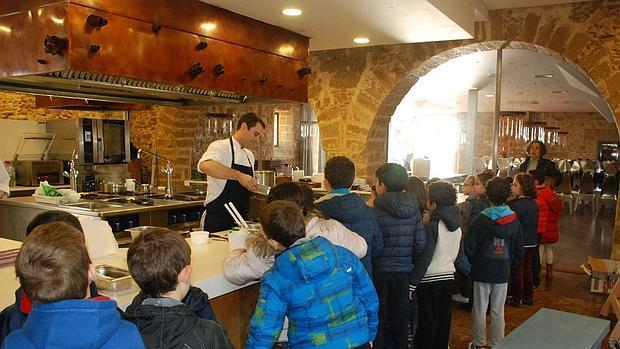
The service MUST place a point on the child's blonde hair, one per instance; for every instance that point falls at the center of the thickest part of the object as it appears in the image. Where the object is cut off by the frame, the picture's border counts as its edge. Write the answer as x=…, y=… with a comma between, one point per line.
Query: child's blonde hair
x=471, y=179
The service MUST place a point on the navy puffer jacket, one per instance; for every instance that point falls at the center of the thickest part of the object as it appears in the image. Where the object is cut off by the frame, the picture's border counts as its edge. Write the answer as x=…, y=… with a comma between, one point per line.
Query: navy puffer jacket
x=351, y=210
x=404, y=238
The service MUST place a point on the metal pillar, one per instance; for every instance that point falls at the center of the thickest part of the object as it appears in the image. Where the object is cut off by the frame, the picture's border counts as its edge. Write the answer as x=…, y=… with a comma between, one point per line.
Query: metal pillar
x=498, y=99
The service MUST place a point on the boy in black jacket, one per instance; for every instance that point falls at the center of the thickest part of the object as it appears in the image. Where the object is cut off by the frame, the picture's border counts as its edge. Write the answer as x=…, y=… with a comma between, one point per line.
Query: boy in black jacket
x=435, y=271
x=493, y=245
x=159, y=262
x=349, y=208
x=404, y=240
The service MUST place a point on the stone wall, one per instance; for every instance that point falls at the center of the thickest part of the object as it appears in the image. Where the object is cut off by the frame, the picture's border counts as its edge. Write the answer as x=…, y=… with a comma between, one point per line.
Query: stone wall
x=354, y=92
x=177, y=133
x=180, y=134
x=16, y=106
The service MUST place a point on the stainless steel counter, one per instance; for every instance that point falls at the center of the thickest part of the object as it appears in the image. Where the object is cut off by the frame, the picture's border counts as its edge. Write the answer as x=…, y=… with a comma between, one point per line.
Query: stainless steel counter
x=16, y=213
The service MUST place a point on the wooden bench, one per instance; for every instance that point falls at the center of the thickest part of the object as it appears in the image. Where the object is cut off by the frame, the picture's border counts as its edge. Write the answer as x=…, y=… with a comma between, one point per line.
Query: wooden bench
x=554, y=329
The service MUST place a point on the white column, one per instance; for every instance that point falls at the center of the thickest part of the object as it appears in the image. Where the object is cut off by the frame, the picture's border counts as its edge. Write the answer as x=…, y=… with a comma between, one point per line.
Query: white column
x=470, y=130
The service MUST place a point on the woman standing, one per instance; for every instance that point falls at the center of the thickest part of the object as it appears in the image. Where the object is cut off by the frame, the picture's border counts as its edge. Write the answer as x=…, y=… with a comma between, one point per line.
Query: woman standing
x=536, y=150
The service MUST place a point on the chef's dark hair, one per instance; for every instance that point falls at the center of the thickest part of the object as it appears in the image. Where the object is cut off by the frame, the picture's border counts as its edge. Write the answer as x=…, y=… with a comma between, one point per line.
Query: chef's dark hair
x=543, y=147
x=251, y=120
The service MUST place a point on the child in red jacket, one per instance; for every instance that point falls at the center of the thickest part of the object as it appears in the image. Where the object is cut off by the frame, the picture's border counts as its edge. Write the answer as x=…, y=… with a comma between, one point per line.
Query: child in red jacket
x=551, y=233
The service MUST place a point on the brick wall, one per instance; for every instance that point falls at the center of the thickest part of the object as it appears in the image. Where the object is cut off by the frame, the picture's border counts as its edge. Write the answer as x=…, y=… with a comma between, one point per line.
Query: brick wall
x=180, y=134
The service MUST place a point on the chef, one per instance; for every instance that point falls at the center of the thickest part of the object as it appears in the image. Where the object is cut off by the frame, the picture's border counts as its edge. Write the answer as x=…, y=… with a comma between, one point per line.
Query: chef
x=229, y=167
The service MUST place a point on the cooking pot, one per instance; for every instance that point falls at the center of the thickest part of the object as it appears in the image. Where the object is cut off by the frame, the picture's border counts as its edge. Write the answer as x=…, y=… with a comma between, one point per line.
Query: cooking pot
x=112, y=187
x=267, y=178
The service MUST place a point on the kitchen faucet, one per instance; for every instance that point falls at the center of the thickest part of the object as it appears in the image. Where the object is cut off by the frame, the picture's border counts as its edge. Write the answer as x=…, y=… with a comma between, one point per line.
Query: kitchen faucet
x=168, y=169
x=73, y=173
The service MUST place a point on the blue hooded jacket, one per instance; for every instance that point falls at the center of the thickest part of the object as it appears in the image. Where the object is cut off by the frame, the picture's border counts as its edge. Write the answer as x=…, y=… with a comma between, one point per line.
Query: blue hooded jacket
x=75, y=324
x=351, y=210
x=404, y=237
x=494, y=245
x=327, y=295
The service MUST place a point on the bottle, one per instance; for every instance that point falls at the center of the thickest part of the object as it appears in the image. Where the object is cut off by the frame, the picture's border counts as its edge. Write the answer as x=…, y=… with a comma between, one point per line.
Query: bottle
x=11, y=171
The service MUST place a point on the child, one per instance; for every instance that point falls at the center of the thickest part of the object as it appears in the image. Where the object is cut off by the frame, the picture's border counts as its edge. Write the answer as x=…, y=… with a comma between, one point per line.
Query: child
x=322, y=288
x=522, y=284
x=476, y=203
x=468, y=185
x=551, y=234
x=435, y=271
x=243, y=266
x=493, y=245
x=54, y=270
x=349, y=208
x=159, y=262
x=13, y=317
x=404, y=241
x=416, y=185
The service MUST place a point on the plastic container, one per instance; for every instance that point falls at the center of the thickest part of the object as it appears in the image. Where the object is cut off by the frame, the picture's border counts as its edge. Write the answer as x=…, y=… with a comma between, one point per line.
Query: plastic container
x=199, y=237
x=236, y=238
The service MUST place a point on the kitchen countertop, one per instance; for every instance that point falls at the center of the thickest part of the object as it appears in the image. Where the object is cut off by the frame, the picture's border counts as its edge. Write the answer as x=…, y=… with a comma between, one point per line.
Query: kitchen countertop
x=23, y=188
x=116, y=210
x=207, y=272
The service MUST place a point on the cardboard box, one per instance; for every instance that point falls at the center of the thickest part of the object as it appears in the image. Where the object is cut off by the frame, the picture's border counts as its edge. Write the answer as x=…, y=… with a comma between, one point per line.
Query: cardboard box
x=603, y=274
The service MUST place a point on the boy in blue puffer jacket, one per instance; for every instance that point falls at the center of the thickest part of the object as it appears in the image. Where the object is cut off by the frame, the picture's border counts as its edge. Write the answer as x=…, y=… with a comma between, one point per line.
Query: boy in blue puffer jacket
x=404, y=240
x=322, y=288
x=349, y=208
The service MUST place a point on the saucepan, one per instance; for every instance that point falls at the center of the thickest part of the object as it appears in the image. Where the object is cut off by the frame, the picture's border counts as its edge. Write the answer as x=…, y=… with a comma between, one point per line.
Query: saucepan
x=266, y=178
x=112, y=187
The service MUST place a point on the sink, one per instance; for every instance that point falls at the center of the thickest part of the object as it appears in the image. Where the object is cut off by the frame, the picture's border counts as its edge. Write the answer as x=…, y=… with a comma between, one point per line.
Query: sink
x=90, y=206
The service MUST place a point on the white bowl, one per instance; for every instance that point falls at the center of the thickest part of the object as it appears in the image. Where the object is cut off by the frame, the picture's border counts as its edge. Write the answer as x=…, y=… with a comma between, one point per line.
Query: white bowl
x=199, y=237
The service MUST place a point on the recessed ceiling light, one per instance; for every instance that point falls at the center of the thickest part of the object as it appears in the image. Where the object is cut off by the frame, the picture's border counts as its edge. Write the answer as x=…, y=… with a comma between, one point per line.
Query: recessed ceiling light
x=560, y=92
x=544, y=76
x=292, y=12
x=361, y=40
x=489, y=96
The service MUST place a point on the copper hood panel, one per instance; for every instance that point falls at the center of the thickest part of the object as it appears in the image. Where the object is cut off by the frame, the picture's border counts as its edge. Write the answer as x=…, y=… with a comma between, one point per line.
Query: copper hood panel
x=180, y=52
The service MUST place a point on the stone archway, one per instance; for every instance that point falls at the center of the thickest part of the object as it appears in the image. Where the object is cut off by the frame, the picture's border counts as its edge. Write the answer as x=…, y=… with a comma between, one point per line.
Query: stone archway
x=378, y=133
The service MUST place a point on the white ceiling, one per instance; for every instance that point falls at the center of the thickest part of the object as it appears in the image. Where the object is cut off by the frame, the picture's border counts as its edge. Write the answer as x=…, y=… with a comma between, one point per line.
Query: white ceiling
x=333, y=24
x=445, y=88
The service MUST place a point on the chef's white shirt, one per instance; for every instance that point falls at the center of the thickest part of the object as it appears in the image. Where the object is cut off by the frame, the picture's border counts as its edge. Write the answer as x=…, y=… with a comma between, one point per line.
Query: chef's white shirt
x=220, y=152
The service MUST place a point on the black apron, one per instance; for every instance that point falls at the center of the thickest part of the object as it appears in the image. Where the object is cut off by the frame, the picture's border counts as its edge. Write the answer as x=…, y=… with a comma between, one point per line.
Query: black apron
x=216, y=216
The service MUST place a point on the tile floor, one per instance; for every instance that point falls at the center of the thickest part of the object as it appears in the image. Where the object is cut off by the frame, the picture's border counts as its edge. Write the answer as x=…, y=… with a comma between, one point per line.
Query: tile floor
x=580, y=236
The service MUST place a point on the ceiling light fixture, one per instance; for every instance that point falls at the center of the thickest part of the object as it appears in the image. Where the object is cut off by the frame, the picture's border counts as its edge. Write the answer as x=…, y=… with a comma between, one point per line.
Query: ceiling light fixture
x=560, y=92
x=544, y=76
x=361, y=40
x=292, y=12
x=489, y=96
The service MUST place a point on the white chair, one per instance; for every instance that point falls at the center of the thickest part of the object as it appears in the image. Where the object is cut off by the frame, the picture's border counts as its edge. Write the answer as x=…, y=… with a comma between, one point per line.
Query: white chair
x=565, y=192
x=585, y=194
x=609, y=194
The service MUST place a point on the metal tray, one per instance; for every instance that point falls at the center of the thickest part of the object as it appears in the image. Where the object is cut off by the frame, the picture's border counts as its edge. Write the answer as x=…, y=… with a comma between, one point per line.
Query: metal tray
x=111, y=278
